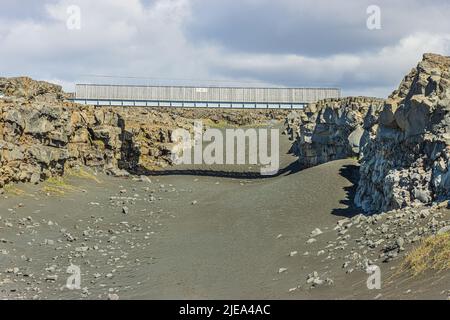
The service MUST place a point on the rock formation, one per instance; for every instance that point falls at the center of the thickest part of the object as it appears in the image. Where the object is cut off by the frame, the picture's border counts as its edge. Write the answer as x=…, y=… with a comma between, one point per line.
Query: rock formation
x=333, y=129
x=42, y=134
x=407, y=162
x=402, y=143
x=24, y=87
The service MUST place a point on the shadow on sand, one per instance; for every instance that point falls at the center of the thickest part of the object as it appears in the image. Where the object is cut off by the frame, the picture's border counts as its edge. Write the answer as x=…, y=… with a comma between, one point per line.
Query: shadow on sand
x=351, y=173
x=288, y=170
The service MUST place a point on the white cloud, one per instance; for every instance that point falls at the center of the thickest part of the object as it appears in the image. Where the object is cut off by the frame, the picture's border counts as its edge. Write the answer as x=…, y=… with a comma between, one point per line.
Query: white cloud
x=381, y=70
x=154, y=39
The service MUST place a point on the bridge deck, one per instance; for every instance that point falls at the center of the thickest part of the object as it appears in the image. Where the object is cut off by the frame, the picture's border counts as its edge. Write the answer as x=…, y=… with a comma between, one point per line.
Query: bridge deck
x=201, y=97
x=188, y=104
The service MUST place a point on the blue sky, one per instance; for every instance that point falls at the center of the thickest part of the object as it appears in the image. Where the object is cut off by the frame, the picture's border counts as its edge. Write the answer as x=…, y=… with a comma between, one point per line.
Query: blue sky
x=246, y=42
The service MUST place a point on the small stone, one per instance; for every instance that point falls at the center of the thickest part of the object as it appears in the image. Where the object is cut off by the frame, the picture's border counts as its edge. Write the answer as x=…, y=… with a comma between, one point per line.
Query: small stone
x=400, y=242
x=443, y=204
x=113, y=296
x=316, y=232
x=318, y=281
x=443, y=230
x=51, y=278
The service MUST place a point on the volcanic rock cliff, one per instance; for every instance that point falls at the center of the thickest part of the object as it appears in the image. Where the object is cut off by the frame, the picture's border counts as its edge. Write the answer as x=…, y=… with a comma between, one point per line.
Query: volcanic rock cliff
x=42, y=134
x=402, y=142
x=333, y=129
x=407, y=162
x=41, y=140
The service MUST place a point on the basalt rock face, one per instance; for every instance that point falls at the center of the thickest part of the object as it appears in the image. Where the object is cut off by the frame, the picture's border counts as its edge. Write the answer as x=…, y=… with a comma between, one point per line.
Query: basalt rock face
x=407, y=161
x=38, y=141
x=333, y=129
x=42, y=134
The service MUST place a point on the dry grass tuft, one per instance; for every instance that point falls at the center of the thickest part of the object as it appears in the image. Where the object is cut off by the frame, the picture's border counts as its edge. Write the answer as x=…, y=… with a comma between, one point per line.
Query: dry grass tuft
x=82, y=173
x=57, y=186
x=432, y=254
x=13, y=190
x=221, y=124
x=61, y=185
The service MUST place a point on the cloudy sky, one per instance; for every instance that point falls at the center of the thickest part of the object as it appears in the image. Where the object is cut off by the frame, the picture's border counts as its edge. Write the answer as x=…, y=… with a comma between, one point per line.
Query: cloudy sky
x=246, y=42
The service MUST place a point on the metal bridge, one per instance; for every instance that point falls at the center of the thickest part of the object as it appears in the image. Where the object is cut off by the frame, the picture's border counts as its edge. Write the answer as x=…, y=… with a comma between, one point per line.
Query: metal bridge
x=201, y=97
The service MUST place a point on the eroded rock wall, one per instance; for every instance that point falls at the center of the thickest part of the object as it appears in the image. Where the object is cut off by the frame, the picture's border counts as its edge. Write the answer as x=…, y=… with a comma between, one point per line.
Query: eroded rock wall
x=407, y=162
x=42, y=134
x=38, y=141
x=333, y=129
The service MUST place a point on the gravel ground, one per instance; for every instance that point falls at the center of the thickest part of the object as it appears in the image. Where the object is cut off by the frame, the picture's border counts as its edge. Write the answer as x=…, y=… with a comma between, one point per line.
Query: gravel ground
x=198, y=235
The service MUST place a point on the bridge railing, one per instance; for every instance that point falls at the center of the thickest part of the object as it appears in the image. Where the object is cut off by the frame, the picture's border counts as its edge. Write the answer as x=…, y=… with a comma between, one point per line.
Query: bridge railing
x=188, y=104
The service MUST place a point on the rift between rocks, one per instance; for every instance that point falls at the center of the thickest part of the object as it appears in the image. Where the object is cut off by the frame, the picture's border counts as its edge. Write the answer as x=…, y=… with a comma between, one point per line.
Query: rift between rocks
x=41, y=134
x=402, y=143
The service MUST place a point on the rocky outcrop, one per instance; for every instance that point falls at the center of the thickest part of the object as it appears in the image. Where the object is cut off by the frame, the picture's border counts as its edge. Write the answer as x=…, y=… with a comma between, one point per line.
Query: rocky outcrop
x=41, y=140
x=333, y=129
x=29, y=89
x=41, y=134
x=407, y=161
x=402, y=142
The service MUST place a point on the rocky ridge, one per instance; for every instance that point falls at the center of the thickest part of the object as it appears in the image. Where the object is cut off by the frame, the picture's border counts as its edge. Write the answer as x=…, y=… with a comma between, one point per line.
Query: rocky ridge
x=27, y=88
x=42, y=134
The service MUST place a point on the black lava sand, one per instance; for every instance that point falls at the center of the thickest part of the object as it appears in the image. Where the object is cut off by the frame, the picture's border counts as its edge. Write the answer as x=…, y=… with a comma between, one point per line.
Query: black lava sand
x=184, y=235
